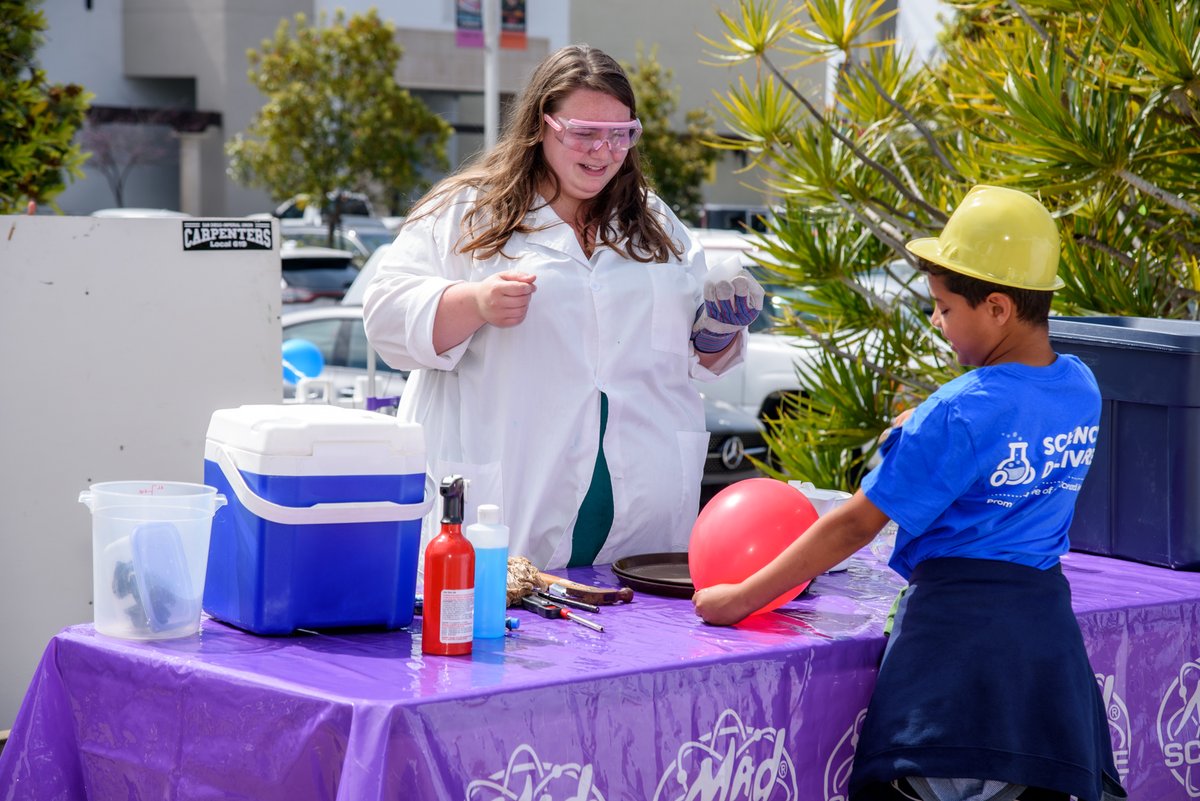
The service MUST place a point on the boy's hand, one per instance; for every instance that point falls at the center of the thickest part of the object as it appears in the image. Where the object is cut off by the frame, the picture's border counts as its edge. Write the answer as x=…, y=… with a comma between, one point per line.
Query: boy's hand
x=897, y=422
x=721, y=604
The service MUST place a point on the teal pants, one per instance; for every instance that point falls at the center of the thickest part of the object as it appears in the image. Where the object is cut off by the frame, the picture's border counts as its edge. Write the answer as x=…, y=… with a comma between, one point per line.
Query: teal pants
x=596, y=512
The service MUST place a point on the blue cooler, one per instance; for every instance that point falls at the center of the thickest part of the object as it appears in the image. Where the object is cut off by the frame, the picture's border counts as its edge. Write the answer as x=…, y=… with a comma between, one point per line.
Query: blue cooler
x=323, y=523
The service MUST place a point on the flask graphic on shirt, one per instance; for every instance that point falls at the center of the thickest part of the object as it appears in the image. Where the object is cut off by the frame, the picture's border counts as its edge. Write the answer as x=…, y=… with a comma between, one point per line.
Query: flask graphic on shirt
x=1016, y=469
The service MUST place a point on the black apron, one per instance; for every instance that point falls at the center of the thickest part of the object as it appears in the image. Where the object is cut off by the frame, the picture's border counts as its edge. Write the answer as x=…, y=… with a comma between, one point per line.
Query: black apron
x=986, y=676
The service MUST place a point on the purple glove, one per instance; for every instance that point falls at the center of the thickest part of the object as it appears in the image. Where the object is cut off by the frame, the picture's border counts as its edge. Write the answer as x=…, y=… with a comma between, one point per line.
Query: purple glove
x=732, y=300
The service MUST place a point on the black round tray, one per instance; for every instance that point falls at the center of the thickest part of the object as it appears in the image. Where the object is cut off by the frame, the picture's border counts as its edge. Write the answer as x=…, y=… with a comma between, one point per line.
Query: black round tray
x=656, y=573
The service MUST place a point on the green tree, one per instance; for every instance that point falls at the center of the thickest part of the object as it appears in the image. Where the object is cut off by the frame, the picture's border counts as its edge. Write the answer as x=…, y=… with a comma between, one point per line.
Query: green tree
x=1093, y=105
x=677, y=163
x=335, y=118
x=38, y=118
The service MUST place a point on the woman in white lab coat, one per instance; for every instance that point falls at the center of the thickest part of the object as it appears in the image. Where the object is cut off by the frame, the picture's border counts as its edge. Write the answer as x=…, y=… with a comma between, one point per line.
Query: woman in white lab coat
x=553, y=310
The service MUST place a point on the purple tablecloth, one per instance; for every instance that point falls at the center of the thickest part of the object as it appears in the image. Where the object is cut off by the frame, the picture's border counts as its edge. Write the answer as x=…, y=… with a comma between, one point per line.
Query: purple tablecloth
x=658, y=706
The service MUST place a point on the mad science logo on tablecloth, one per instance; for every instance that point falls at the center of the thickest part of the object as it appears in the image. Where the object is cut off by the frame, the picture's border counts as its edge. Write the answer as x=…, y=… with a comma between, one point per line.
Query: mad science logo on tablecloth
x=1119, y=726
x=528, y=778
x=1179, y=728
x=732, y=763
x=837, y=767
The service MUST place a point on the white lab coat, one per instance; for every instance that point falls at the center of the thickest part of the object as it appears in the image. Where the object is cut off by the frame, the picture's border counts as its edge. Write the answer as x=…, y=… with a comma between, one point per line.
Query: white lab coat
x=516, y=410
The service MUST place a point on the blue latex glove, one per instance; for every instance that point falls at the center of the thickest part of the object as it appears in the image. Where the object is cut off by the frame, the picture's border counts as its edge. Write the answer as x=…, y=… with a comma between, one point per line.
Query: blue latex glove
x=732, y=300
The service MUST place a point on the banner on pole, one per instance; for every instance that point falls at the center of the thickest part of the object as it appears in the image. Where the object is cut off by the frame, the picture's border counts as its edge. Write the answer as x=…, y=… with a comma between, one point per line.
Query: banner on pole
x=512, y=24
x=468, y=23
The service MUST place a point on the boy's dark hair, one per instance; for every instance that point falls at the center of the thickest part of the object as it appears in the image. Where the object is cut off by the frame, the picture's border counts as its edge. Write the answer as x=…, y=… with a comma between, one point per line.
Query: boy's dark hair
x=1032, y=305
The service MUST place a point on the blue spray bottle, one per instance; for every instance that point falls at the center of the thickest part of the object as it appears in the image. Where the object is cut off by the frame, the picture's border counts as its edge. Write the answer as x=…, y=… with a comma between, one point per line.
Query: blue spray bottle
x=489, y=537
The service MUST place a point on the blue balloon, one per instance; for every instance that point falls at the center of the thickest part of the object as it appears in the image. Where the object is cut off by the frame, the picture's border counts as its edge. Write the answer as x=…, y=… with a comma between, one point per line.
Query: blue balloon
x=301, y=359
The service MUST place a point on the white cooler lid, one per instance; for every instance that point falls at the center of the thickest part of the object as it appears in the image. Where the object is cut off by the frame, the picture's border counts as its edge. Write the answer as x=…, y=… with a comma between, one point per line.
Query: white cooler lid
x=316, y=439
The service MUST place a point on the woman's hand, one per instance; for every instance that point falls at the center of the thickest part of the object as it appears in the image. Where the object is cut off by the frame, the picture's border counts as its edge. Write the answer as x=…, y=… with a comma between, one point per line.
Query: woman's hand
x=503, y=299
x=721, y=604
x=732, y=300
x=500, y=300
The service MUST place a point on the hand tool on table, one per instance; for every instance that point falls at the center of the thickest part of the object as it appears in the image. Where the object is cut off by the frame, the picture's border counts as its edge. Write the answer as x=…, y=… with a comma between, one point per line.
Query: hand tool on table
x=540, y=606
x=564, y=600
x=585, y=592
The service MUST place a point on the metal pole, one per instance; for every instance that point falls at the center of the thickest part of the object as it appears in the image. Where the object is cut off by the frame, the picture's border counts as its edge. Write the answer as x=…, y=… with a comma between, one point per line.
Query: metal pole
x=491, y=70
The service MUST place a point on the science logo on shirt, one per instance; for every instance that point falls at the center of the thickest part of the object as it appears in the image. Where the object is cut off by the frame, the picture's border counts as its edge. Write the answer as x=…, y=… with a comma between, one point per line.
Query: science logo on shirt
x=732, y=762
x=1016, y=469
x=1178, y=728
x=1070, y=450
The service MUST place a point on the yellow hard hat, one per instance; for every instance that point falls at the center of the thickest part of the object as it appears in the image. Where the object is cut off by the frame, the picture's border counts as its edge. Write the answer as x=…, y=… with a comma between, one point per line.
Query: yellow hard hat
x=1000, y=235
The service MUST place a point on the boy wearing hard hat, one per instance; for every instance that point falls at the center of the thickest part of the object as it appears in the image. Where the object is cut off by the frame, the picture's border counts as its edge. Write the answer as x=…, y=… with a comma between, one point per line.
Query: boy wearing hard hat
x=985, y=692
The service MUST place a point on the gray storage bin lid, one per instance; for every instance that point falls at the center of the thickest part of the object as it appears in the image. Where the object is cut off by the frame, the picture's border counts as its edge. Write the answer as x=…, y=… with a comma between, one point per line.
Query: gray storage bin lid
x=1129, y=332
x=1136, y=359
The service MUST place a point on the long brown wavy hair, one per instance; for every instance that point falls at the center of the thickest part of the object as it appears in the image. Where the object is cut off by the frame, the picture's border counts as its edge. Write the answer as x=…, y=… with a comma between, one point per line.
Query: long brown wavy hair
x=507, y=178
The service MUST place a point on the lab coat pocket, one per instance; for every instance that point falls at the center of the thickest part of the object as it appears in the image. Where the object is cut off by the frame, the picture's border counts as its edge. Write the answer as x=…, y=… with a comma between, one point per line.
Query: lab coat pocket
x=484, y=485
x=674, y=307
x=693, y=450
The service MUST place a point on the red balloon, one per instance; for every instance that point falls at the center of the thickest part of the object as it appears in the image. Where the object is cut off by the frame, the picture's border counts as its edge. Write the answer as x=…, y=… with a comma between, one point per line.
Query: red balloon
x=743, y=528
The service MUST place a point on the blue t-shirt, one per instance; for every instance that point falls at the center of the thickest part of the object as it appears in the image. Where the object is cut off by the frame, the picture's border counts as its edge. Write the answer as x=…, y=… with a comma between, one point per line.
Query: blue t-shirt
x=989, y=466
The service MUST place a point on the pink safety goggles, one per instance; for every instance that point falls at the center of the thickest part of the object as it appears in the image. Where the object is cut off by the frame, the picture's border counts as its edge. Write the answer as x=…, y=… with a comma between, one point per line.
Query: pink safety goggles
x=585, y=136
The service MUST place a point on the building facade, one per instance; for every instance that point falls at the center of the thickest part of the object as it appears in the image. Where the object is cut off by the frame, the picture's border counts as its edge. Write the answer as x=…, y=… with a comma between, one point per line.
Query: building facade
x=179, y=69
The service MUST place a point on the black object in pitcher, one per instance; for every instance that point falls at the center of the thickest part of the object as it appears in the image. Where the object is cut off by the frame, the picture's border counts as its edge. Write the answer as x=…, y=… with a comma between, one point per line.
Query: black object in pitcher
x=157, y=578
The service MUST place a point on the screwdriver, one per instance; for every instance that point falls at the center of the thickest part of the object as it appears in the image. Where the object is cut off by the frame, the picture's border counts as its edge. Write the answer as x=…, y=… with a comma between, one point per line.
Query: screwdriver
x=548, y=610
x=571, y=602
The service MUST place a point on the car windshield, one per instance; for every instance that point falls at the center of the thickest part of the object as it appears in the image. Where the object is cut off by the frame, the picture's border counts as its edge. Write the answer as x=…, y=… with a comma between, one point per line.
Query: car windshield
x=352, y=205
x=359, y=241
x=781, y=303
x=318, y=239
x=374, y=240
x=896, y=283
x=320, y=274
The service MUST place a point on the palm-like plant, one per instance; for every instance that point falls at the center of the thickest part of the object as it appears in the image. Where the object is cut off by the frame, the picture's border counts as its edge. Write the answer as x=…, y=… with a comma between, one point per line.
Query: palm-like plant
x=1093, y=106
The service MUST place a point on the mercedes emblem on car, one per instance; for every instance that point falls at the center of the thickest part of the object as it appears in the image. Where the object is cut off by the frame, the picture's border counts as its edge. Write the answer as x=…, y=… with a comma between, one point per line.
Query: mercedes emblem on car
x=733, y=451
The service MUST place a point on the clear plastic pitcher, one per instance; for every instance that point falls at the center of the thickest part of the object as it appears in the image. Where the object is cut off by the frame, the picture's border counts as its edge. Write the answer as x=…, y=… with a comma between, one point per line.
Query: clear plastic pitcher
x=824, y=501
x=149, y=556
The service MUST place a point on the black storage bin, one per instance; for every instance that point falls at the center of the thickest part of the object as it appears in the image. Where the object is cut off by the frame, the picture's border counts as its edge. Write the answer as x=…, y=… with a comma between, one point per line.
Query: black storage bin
x=1141, y=498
